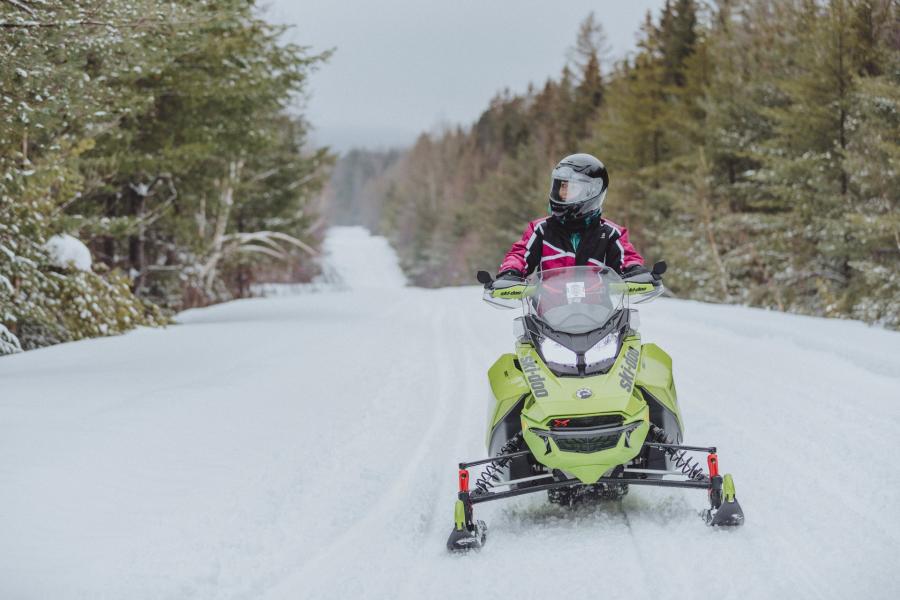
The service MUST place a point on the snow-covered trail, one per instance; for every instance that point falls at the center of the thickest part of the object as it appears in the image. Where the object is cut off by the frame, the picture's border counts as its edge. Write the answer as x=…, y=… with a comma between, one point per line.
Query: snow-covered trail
x=305, y=447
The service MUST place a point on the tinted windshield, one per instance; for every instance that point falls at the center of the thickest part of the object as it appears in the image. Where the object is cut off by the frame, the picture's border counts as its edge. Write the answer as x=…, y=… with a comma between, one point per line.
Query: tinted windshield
x=576, y=299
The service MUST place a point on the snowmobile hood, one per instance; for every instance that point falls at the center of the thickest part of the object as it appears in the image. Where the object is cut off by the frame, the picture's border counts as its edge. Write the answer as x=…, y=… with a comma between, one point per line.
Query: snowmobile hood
x=609, y=392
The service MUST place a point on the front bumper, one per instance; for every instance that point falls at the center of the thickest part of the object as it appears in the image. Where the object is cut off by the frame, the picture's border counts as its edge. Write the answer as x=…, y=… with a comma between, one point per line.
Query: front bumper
x=587, y=452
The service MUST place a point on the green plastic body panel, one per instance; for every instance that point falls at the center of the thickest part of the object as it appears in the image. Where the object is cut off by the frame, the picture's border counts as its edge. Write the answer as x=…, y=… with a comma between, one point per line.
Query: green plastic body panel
x=548, y=397
x=508, y=385
x=728, y=487
x=655, y=376
x=556, y=397
x=459, y=515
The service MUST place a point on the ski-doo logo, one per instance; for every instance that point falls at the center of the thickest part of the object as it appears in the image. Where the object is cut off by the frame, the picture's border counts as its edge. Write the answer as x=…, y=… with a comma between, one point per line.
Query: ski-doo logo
x=626, y=375
x=532, y=371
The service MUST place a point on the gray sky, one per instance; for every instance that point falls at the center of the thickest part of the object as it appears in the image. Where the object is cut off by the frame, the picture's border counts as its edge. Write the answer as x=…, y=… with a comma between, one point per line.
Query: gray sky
x=405, y=66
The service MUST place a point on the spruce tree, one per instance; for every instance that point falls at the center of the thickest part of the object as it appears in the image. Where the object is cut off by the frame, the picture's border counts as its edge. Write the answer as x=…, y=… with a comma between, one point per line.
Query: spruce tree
x=156, y=132
x=755, y=150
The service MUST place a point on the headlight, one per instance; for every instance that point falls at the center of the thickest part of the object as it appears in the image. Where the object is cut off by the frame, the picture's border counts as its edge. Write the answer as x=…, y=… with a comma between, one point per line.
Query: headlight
x=604, y=350
x=557, y=353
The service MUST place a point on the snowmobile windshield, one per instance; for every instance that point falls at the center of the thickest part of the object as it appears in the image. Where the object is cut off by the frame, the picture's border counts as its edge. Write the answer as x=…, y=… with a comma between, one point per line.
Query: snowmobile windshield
x=576, y=299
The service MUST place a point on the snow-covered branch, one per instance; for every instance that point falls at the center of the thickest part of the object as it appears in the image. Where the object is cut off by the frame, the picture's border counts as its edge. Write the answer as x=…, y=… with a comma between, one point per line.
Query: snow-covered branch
x=271, y=238
x=136, y=24
x=147, y=191
x=9, y=343
x=20, y=4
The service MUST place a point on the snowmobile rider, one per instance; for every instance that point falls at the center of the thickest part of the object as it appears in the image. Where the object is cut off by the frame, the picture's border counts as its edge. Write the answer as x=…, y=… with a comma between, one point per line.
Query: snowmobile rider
x=574, y=233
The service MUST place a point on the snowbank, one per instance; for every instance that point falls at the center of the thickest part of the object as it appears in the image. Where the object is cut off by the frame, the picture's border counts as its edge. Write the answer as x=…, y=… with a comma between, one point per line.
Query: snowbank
x=69, y=252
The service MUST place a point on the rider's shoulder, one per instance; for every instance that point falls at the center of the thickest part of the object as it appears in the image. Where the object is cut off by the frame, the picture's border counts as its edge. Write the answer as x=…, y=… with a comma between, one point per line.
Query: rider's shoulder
x=614, y=227
x=536, y=224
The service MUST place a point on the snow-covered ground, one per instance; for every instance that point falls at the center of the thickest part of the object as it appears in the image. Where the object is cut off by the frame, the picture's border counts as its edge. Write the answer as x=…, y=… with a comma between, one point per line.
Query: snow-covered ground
x=305, y=447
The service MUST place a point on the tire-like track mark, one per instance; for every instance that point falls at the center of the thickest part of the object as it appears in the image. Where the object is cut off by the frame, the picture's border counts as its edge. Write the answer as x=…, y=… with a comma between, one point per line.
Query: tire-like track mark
x=439, y=485
x=386, y=511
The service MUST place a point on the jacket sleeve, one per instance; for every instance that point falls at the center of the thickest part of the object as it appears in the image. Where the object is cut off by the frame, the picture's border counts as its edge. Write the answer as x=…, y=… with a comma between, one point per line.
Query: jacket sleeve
x=518, y=256
x=621, y=253
x=630, y=256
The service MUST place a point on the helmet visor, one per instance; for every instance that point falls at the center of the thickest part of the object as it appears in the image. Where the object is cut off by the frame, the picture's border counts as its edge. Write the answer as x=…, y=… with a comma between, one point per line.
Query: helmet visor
x=569, y=187
x=569, y=192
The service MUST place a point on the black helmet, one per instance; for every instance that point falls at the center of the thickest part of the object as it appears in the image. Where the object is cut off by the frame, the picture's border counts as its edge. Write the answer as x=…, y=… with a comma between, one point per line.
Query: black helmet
x=578, y=187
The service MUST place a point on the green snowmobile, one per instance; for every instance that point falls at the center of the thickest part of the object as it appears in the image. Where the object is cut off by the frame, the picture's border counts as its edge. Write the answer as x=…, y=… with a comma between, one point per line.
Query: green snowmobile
x=583, y=409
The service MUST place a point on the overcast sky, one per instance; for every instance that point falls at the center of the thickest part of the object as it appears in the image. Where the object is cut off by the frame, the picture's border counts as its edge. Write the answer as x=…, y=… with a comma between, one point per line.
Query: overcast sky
x=406, y=66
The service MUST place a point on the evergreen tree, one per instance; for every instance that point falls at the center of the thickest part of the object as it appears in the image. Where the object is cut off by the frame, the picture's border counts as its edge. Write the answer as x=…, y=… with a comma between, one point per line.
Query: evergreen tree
x=157, y=132
x=756, y=151
x=677, y=37
x=588, y=96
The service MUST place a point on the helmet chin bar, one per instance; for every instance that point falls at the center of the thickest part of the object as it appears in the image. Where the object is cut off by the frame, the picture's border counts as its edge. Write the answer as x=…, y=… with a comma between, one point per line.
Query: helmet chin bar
x=592, y=207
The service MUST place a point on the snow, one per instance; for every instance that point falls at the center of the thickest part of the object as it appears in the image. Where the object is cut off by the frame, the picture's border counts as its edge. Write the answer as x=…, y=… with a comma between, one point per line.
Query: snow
x=354, y=260
x=305, y=447
x=67, y=251
x=362, y=260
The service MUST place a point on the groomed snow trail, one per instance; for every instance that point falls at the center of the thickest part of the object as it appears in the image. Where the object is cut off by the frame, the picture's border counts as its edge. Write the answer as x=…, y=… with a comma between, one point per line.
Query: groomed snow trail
x=305, y=447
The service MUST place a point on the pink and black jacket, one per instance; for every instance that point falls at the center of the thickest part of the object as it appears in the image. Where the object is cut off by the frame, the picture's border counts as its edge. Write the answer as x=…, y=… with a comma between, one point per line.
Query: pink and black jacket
x=546, y=244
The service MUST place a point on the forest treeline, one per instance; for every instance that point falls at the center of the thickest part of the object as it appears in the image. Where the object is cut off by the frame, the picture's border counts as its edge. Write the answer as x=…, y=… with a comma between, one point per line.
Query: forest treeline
x=352, y=195
x=753, y=144
x=157, y=133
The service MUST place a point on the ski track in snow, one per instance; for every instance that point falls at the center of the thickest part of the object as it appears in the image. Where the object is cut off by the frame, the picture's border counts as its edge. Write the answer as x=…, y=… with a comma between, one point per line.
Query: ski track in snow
x=305, y=447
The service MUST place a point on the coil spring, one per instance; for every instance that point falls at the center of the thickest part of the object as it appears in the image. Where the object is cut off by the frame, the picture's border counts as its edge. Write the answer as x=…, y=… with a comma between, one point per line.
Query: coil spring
x=491, y=473
x=689, y=465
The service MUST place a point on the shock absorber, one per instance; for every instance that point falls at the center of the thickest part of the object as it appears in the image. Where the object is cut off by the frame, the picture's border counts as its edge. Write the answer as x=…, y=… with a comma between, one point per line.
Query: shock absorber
x=490, y=476
x=688, y=465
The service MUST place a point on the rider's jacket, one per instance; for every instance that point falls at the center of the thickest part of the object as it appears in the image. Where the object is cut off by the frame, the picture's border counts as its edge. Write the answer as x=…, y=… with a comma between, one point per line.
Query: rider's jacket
x=546, y=244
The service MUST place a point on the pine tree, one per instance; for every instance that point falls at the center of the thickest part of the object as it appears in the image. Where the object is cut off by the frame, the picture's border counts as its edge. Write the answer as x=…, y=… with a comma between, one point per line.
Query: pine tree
x=756, y=151
x=591, y=43
x=806, y=158
x=677, y=39
x=873, y=156
x=588, y=97
x=155, y=131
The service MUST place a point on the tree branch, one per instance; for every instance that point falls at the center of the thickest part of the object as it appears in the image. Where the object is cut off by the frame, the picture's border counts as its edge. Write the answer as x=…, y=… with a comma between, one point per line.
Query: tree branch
x=94, y=22
x=21, y=5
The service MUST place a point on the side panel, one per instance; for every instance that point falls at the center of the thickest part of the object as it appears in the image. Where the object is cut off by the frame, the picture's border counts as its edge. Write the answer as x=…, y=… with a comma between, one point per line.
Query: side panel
x=655, y=377
x=508, y=387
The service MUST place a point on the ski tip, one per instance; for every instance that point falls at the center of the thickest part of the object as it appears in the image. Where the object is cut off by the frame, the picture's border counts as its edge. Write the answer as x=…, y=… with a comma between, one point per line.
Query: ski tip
x=729, y=514
x=464, y=540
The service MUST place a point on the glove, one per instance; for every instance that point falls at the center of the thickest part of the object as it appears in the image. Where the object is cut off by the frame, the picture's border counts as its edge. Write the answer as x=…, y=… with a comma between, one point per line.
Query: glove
x=636, y=269
x=639, y=274
x=511, y=275
x=507, y=280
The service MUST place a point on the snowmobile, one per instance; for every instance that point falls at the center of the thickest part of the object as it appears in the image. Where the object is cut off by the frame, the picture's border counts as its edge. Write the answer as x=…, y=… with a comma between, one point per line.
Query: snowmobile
x=582, y=410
